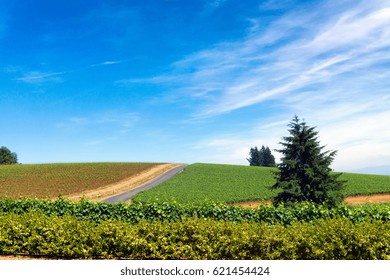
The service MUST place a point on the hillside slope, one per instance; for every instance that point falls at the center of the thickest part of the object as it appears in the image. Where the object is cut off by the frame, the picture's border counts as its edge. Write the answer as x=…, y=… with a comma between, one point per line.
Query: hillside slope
x=66, y=179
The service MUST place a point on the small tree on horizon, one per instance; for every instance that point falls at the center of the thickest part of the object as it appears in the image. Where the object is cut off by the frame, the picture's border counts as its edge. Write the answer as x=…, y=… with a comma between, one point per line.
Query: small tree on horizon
x=304, y=172
x=254, y=157
x=262, y=157
x=269, y=159
x=7, y=157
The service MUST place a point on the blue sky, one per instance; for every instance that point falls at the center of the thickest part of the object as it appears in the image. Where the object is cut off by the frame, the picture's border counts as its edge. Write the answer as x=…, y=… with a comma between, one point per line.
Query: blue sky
x=193, y=81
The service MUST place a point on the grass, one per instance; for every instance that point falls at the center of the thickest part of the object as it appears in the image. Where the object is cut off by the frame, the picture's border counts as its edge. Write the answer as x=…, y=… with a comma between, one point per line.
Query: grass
x=53, y=180
x=232, y=183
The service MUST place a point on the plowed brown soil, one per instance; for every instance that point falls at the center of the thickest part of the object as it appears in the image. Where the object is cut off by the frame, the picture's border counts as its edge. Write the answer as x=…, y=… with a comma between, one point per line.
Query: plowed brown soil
x=351, y=200
x=368, y=199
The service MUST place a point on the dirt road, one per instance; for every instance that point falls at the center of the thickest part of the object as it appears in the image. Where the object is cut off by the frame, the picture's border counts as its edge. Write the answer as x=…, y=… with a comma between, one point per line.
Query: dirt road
x=127, y=184
x=128, y=194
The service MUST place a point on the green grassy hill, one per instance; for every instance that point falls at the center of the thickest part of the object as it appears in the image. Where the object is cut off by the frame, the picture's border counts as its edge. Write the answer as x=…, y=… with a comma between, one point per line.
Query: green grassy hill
x=233, y=183
x=216, y=182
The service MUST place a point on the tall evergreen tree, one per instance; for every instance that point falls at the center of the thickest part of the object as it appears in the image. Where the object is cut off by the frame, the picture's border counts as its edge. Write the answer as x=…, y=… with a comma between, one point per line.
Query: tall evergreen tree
x=304, y=172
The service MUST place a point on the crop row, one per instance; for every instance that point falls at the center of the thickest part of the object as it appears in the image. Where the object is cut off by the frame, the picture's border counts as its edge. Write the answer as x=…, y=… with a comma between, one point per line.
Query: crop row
x=170, y=211
x=36, y=234
x=217, y=182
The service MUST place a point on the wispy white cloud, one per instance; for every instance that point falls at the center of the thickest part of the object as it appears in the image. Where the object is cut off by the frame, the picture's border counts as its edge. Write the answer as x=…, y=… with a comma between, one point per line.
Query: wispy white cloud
x=110, y=62
x=360, y=135
x=36, y=77
x=98, y=129
x=332, y=70
x=328, y=63
x=122, y=120
x=263, y=66
x=274, y=4
x=107, y=62
x=39, y=77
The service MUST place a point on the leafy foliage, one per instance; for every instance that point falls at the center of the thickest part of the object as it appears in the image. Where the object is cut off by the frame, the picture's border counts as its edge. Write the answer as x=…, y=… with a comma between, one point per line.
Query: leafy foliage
x=7, y=157
x=171, y=211
x=304, y=173
x=36, y=234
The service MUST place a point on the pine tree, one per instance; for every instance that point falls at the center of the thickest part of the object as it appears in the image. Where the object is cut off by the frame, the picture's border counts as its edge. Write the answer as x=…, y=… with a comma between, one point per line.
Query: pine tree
x=304, y=172
x=269, y=159
x=254, y=157
x=262, y=157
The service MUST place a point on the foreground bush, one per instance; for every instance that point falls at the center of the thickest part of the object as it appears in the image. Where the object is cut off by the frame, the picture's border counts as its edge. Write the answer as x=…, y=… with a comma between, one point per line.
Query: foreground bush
x=165, y=211
x=37, y=234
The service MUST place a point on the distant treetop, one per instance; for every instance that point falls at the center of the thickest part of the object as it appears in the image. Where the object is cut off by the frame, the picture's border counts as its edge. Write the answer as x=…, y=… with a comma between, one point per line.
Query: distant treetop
x=7, y=157
x=262, y=157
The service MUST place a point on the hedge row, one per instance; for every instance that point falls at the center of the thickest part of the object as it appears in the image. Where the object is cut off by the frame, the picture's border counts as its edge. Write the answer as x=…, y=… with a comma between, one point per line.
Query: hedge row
x=170, y=211
x=36, y=234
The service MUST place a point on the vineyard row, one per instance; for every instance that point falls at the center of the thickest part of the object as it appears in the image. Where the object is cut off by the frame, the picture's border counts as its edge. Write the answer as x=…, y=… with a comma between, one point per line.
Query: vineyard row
x=170, y=211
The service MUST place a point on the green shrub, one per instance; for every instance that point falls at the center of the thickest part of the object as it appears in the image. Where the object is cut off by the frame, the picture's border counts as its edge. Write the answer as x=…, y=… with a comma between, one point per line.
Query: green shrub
x=165, y=211
x=36, y=234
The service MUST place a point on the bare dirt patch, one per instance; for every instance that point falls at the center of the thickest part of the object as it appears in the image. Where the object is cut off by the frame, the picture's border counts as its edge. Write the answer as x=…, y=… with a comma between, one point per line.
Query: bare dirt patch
x=252, y=204
x=351, y=200
x=12, y=257
x=124, y=185
x=368, y=199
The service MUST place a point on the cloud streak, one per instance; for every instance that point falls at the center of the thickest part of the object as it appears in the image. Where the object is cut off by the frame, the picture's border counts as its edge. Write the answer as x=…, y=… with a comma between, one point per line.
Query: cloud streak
x=109, y=126
x=269, y=64
x=120, y=120
x=40, y=77
x=36, y=77
x=327, y=64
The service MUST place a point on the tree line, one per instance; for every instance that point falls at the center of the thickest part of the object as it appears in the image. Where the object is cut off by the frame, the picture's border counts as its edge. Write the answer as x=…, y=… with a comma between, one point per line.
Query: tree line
x=262, y=157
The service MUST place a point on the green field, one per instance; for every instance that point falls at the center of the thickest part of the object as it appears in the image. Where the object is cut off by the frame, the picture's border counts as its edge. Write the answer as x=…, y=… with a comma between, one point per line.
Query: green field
x=366, y=183
x=216, y=182
x=232, y=183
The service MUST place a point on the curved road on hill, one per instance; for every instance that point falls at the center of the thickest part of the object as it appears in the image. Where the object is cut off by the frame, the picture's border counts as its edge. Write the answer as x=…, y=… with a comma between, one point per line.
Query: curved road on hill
x=127, y=195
